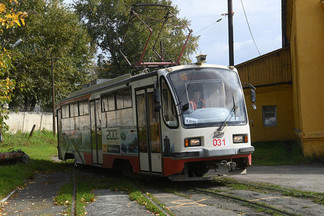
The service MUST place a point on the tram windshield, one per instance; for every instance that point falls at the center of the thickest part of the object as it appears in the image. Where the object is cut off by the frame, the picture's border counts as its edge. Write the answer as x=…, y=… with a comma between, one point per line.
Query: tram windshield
x=209, y=96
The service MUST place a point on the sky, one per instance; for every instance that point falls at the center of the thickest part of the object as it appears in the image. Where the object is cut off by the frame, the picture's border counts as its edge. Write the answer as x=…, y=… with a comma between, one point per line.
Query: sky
x=264, y=17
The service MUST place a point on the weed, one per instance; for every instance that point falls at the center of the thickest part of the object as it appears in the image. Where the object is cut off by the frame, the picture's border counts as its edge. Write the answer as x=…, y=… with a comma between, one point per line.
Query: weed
x=275, y=153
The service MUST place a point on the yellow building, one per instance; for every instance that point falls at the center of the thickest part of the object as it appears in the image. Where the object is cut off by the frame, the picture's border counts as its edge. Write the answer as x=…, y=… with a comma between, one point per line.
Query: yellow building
x=290, y=81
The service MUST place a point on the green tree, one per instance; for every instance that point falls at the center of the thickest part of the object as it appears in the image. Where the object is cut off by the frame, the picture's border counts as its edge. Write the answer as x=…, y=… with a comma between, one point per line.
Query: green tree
x=107, y=23
x=53, y=31
x=10, y=18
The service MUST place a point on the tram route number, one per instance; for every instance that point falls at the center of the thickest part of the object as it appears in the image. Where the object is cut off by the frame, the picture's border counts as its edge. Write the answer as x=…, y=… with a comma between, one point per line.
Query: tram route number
x=219, y=142
x=112, y=134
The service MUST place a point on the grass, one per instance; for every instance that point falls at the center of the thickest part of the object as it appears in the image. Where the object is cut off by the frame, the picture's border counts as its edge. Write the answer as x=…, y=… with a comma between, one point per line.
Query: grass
x=65, y=196
x=40, y=148
x=274, y=153
x=84, y=195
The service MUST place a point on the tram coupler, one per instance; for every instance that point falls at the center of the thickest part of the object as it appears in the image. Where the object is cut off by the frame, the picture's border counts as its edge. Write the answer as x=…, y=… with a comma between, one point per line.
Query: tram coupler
x=224, y=167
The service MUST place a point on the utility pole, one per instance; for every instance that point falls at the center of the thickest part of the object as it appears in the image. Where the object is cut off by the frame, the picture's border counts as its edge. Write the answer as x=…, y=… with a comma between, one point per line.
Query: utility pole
x=230, y=33
x=53, y=96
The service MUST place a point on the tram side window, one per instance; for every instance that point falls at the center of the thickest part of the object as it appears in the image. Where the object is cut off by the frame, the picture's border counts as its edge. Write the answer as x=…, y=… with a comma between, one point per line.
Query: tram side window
x=108, y=102
x=124, y=99
x=65, y=111
x=104, y=104
x=169, y=111
x=74, y=110
x=84, y=108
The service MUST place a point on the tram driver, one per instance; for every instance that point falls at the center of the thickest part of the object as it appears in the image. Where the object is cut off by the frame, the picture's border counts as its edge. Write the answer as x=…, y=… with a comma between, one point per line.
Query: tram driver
x=197, y=102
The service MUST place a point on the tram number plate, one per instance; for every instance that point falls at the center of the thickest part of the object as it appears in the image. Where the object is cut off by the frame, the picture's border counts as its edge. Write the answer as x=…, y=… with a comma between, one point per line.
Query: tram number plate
x=220, y=142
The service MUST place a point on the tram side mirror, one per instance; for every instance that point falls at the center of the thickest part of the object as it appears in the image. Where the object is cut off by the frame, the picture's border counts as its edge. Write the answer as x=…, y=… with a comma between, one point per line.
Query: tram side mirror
x=156, y=96
x=253, y=98
x=252, y=94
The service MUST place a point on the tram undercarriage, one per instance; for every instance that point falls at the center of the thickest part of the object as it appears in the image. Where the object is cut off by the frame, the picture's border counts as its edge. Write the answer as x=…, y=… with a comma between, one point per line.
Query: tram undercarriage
x=205, y=170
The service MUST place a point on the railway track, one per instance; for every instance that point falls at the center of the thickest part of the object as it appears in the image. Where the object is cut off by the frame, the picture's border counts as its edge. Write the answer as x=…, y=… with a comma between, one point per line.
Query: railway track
x=220, y=197
x=319, y=197
x=244, y=201
x=206, y=197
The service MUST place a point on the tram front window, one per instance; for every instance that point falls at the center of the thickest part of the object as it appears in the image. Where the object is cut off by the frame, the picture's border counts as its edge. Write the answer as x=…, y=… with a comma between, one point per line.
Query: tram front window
x=208, y=96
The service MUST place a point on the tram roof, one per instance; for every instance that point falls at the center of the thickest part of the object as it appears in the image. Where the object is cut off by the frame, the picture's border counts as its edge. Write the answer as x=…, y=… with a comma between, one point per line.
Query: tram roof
x=127, y=78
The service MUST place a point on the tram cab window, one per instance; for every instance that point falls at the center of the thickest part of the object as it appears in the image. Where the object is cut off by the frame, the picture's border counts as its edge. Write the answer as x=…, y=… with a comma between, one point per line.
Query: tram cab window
x=221, y=96
x=169, y=110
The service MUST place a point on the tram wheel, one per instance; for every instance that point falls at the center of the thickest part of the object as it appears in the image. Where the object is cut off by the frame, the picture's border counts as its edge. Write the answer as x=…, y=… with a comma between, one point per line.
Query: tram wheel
x=127, y=170
x=197, y=169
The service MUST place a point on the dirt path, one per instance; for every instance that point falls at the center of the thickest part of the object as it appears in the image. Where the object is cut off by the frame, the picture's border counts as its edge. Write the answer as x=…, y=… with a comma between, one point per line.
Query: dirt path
x=37, y=197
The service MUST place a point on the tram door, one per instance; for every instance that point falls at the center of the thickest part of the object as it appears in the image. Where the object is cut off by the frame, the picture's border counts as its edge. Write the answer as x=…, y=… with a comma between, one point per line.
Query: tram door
x=148, y=127
x=96, y=142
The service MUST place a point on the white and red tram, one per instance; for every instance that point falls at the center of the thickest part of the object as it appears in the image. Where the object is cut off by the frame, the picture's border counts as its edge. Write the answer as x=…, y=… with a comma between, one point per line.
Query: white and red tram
x=151, y=123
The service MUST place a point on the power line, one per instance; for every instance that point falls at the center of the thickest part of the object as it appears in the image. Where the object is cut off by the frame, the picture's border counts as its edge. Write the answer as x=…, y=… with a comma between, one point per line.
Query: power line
x=220, y=19
x=264, y=63
x=247, y=21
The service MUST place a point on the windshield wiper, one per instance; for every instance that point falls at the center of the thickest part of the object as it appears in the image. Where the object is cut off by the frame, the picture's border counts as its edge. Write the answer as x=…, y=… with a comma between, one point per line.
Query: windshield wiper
x=228, y=118
x=183, y=108
x=234, y=106
x=218, y=132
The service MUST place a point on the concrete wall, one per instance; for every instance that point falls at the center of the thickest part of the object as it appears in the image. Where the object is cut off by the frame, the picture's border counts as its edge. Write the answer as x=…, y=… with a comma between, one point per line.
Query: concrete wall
x=24, y=121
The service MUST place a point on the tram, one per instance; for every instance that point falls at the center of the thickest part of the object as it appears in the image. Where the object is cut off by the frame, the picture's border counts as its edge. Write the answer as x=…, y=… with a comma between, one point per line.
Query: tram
x=177, y=122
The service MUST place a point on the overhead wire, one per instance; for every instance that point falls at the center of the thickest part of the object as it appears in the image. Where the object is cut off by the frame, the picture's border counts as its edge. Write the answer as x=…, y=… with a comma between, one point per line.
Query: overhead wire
x=248, y=24
x=249, y=27
x=218, y=20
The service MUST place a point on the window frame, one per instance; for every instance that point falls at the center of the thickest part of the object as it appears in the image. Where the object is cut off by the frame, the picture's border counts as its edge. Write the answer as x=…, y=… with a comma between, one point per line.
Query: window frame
x=114, y=94
x=266, y=110
x=169, y=92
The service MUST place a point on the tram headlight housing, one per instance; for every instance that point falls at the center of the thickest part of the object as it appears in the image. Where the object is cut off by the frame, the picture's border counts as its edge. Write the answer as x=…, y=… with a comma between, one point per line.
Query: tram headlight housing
x=240, y=138
x=189, y=142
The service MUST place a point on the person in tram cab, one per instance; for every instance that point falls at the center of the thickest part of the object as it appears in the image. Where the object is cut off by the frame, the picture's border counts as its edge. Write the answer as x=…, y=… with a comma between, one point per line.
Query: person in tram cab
x=196, y=102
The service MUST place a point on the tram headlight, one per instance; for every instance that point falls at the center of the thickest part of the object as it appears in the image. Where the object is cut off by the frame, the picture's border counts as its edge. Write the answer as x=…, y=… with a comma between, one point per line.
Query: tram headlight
x=192, y=142
x=241, y=138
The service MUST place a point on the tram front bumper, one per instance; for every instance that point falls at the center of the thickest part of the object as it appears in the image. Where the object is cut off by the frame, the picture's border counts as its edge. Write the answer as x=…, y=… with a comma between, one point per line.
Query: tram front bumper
x=214, y=152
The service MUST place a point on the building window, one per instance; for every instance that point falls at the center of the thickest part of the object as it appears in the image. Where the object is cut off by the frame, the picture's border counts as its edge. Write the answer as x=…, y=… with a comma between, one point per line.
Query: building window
x=269, y=116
